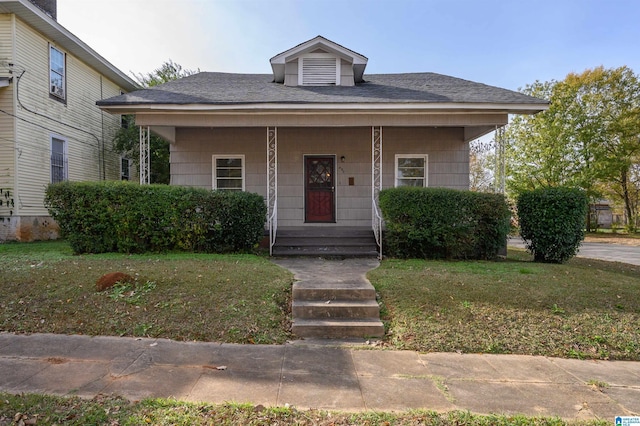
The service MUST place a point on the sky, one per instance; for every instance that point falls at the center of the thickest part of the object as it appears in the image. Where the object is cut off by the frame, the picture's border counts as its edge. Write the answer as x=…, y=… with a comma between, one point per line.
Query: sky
x=508, y=43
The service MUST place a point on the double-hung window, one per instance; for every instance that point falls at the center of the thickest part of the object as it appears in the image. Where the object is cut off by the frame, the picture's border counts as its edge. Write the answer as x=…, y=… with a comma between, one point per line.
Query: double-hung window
x=228, y=172
x=412, y=170
x=58, y=160
x=57, y=73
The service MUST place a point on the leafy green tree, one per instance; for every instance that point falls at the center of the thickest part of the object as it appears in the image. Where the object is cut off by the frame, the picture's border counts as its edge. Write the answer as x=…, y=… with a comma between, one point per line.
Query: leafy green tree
x=127, y=140
x=589, y=138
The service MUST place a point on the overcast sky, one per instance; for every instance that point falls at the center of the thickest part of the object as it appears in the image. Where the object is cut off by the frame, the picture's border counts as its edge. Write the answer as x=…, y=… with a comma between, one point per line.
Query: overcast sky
x=507, y=43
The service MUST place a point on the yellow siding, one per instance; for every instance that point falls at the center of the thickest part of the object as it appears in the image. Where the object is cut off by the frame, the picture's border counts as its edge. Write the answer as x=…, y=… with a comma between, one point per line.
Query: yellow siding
x=91, y=132
x=8, y=213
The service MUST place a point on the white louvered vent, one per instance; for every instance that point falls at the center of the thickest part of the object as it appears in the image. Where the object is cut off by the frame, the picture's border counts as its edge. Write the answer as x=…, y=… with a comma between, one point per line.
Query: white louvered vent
x=319, y=71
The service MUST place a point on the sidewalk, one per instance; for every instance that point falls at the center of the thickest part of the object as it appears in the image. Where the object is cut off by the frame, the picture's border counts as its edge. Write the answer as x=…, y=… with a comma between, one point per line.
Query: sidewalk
x=308, y=374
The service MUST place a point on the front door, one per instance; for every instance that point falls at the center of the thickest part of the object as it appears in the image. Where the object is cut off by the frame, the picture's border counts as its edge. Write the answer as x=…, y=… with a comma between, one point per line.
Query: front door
x=319, y=188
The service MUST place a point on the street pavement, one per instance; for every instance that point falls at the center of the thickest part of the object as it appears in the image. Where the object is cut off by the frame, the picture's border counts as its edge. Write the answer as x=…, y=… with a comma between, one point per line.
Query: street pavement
x=602, y=251
x=318, y=374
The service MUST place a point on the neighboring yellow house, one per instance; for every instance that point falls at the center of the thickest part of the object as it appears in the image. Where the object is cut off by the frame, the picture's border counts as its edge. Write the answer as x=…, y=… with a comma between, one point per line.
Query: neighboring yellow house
x=50, y=127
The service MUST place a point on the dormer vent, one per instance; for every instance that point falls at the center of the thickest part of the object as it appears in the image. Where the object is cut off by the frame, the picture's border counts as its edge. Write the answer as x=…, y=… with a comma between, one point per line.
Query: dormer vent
x=319, y=69
x=318, y=62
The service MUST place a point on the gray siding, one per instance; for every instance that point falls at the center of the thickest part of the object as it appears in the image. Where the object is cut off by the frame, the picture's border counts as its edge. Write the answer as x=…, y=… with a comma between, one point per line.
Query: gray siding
x=191, y=162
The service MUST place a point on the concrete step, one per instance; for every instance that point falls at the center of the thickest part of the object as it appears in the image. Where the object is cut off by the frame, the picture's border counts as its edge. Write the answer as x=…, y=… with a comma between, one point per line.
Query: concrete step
x=325, y=241
x=328, y=232
x=321, y=309
x=338, y=328
x=333, y=291
x=343, y=251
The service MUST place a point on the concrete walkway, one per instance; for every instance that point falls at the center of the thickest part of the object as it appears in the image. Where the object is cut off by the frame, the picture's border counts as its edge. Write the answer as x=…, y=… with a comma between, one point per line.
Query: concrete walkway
x=308, y=374
x=603, y=251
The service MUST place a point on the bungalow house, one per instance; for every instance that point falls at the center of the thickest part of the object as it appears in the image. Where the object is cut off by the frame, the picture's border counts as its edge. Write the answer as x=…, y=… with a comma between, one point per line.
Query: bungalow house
x=50, y=128
x=319, y=138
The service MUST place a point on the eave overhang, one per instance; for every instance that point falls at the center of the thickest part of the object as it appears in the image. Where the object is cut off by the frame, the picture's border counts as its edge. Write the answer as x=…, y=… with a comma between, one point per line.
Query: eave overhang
x=51, y=29
x=301, y=108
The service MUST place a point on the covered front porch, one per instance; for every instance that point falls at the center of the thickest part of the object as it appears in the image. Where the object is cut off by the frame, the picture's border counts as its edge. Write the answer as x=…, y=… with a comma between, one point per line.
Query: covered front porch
x=320, y=178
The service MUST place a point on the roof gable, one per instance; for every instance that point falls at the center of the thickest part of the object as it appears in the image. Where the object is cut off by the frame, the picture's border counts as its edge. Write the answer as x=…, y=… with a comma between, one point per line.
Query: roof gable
x=316, y=45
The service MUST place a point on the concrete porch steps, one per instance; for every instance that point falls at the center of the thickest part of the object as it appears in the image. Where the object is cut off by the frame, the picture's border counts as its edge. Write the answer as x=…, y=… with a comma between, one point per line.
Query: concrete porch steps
x=329, y=308
x=329, y=242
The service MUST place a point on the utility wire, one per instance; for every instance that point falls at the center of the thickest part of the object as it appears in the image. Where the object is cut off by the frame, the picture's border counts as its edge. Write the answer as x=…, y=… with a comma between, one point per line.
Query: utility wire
x=98, y=143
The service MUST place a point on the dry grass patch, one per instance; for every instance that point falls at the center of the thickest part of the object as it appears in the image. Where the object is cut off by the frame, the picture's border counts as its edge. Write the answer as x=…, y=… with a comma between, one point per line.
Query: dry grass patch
x=183, y=296
x=582, y=309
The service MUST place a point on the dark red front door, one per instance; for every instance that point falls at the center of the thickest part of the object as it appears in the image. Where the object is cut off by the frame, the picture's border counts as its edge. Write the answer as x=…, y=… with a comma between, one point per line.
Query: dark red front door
x=319, y=189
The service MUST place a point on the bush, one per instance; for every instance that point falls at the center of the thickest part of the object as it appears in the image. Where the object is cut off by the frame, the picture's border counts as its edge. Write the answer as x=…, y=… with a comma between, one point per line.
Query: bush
x=129, y=218
x=552, y=222
x=443, y=223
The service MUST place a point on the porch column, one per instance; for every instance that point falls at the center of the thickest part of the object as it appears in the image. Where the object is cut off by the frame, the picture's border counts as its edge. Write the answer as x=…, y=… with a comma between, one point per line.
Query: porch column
x=272, y=184
x=376, y=183
x=145, y=155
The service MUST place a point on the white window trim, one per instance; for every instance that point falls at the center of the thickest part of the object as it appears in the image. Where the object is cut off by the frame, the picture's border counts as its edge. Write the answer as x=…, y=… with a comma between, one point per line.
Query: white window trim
x=65, y=153
x=227, y=156
x=64, y=74
x=322, y=56
x=426, y=167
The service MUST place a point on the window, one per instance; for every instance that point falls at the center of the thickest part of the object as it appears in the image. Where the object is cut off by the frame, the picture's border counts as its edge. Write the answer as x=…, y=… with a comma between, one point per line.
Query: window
x=57, y=73
x=58, y=160
x=125, y=168
x=228, y=172
x=411, y=170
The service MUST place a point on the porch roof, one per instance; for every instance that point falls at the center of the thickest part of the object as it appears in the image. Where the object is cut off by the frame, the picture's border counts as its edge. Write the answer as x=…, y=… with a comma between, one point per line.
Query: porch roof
x=222, y=91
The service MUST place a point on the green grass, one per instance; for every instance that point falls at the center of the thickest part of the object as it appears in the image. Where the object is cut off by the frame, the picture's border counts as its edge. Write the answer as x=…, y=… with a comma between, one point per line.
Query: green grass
x=105, y=410
x=581, y=309
x=182, y=296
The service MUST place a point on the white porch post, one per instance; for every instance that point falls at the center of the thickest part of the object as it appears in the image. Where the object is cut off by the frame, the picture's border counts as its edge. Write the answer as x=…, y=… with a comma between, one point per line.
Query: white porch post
x=145, y=155
x=272, y=185
x=376, y=184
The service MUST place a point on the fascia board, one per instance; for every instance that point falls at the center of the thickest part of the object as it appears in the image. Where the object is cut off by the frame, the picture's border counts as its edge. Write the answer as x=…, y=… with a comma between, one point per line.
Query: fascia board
x=330, y=108
x=314, y=43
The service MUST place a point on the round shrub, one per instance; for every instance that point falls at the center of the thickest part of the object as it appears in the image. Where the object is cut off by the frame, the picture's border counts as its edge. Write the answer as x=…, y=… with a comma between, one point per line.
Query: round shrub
x=552, y=222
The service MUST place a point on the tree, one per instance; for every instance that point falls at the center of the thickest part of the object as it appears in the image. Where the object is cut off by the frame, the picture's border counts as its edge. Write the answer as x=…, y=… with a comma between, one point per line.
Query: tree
x=589, y=138
x=481, y=166
x=127, y=139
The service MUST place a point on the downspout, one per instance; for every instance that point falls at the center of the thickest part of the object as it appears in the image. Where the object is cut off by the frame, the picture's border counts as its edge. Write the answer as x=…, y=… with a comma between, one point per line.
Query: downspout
x=104, y=167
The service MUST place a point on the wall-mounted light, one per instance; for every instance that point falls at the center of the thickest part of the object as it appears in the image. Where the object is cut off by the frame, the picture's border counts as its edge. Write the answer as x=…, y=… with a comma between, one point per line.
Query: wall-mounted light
x=342, y=159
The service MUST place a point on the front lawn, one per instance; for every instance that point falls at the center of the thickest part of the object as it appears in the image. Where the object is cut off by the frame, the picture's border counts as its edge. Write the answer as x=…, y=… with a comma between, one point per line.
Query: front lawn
x=182, y=296
x=581, y=309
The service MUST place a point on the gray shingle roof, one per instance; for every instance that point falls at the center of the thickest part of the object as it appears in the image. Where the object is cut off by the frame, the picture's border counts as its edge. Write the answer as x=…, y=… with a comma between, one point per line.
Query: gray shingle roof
x=209, y=88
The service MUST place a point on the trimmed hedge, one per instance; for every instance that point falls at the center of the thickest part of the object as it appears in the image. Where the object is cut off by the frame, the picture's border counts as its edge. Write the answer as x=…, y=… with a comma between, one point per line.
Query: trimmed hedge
x=98, y=217
x=552, y=222
x=440, y=223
